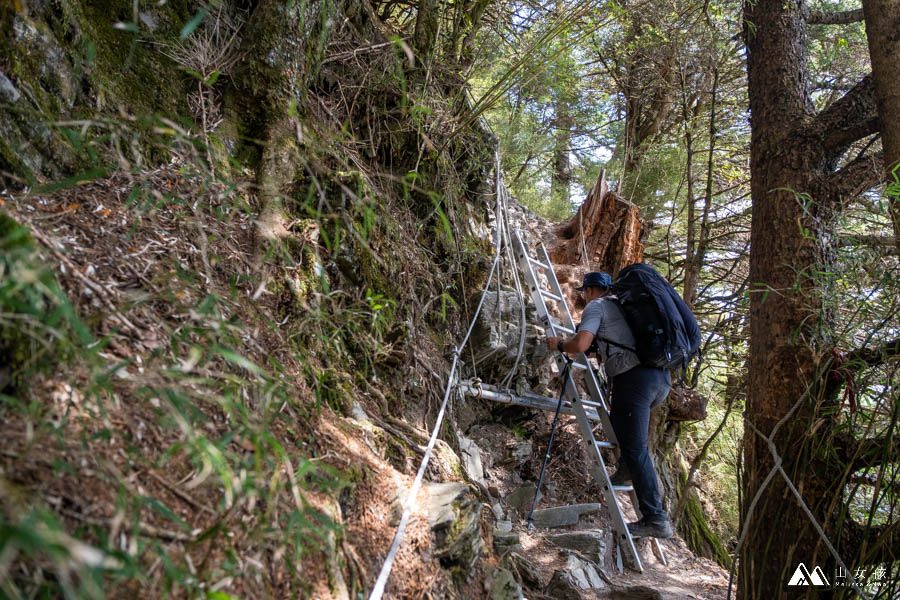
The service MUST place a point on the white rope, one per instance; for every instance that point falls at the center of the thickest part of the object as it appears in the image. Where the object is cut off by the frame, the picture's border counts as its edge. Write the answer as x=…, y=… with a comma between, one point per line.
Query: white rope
x=409, y=504
x=521, y=295
x=378, y=588
x=812, y=518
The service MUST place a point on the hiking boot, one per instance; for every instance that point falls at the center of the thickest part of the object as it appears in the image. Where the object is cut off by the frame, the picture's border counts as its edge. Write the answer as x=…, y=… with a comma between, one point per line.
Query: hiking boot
x=621, y=476
x=657, y=529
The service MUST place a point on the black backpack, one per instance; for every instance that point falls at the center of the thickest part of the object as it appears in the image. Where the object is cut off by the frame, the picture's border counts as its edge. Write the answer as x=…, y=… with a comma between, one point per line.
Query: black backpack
x=665, y=331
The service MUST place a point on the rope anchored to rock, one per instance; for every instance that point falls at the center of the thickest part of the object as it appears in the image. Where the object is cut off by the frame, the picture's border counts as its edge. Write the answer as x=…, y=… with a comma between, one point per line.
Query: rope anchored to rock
x=410, y=502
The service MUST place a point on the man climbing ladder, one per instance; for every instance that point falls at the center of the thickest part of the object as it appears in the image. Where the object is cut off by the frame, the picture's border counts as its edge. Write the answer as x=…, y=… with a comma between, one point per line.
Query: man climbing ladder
x=636, y=390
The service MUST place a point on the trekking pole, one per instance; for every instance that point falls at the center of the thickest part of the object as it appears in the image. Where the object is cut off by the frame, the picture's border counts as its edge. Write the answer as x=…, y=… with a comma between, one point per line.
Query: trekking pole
x=562, y=393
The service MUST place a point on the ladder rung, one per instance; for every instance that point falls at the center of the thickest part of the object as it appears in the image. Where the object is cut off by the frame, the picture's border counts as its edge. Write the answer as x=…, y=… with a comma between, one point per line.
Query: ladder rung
x=623, y=488
x=592, y=404
x=563, y=328
x=578, y=365
x=533, y=261
x=604, y=444
x=551, y=295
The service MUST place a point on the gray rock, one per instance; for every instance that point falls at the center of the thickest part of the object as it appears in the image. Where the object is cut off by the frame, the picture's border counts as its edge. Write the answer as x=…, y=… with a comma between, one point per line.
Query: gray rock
x=504, y=526
x=562, y=516
x=593, y=575
x=441, y=512
x=584, y=573
x=8, y=92
x=149, y=20
x=471, y=459
x=56, y=75
x=498, y=510
x=589, y=543
x=454, y=515
x=468, y=413
x=563, y=586
x=522, y=498
x=551, y=489
x=357, y=411
x=516, y=453
x=527, y=571
x=504, y=541
x=579, y=578
x=504, y=586
x=496, y=339
x=637, y=592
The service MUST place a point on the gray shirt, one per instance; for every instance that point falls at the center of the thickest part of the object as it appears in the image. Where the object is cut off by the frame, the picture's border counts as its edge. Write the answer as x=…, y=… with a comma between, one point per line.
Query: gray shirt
x=604, y=318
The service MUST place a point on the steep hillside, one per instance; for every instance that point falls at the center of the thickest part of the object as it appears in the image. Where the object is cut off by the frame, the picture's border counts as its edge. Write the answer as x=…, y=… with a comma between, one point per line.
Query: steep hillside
x=235, y=266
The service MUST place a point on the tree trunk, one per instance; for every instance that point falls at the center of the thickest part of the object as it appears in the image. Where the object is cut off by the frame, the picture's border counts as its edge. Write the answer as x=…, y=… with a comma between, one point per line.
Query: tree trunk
x=561, y=177
x=783, y=306
x=272, y=76
x=425, y=34
x=648, y=91
x=795, y=192
x=882, y=25
x=697, y=245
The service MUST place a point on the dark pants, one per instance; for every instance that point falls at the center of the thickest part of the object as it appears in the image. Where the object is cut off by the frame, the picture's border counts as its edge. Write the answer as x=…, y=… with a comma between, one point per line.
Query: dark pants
x=634, y=394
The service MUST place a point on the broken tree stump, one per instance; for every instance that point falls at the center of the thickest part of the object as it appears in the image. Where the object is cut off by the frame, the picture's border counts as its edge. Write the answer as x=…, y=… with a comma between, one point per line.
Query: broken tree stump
x=604, y=234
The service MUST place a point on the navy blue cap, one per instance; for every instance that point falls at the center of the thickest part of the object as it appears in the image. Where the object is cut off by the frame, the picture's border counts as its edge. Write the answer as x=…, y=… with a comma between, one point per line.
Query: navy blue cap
x=596, y=279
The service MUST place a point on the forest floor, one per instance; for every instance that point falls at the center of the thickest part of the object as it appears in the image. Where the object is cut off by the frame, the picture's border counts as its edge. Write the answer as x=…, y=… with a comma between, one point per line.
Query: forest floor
x=684, y=576
x=108, y=260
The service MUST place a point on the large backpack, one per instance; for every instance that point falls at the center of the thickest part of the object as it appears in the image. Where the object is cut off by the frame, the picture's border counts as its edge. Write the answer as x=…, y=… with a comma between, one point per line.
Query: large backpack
x=665, y=331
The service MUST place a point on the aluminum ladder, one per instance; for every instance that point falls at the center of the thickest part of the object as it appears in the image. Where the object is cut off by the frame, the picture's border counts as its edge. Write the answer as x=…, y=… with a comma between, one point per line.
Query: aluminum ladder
x=585, y=410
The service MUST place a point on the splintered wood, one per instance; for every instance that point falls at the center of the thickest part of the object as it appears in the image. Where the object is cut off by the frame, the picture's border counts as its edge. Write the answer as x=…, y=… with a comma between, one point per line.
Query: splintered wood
x=604, y=234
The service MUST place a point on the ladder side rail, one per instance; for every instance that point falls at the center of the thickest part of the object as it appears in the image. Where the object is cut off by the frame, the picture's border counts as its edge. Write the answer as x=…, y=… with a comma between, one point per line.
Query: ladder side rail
x=597, y=395
x=557, y=289
x=591, y=380
x=597, y=467
x=536, y=296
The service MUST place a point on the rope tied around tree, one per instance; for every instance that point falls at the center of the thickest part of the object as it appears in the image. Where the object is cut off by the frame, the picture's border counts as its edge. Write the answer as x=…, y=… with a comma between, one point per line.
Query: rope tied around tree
x=777, y=469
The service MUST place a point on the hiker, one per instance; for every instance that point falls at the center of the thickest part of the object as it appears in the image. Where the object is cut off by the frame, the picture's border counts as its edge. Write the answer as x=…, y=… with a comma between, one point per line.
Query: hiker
x=636, y=390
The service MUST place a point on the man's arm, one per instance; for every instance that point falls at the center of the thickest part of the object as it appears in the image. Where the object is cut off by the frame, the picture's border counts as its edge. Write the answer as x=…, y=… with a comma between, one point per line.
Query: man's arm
x=580, y=342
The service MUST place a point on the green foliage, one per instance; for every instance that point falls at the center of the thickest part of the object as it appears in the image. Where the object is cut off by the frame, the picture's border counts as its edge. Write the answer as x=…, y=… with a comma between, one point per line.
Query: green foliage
x=38, y=325
x=540, y=102
x=220, y=407
x=656, y=183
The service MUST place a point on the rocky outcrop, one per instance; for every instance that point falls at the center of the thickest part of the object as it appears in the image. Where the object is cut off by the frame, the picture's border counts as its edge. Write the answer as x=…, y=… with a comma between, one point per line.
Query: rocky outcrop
x=496, y=337
x=454, y=515
x=63, y=61
x=503, y=586
x=563, y=586
x=563, y=516
x=591, y=544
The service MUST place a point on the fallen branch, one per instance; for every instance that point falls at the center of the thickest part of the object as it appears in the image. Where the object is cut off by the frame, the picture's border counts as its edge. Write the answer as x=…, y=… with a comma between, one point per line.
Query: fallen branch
x=143, y=528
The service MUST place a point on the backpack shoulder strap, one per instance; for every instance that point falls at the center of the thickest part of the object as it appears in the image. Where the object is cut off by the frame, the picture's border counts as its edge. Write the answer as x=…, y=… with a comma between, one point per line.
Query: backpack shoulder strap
x=608, y=341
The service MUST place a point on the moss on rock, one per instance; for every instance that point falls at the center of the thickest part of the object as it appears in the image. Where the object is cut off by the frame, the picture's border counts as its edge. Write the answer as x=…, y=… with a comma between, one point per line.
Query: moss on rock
x=693, y=527
x=73, y=61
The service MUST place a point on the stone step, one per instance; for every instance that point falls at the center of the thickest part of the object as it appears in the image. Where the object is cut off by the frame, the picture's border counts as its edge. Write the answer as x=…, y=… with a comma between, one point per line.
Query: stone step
x=562, y=516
